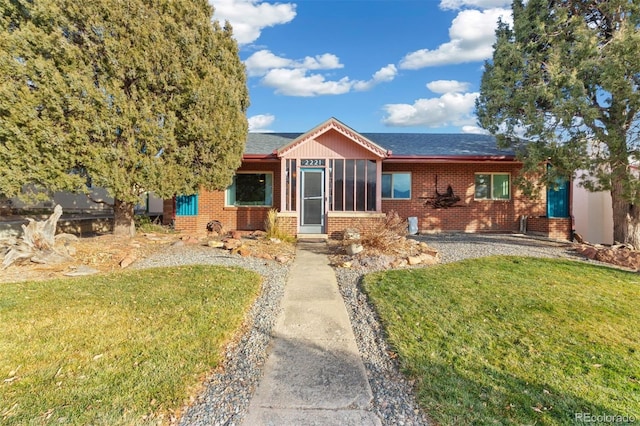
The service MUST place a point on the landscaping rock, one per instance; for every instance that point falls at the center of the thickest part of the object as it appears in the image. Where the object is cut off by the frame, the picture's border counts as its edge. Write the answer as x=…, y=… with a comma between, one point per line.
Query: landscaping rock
x=275, y=240
x=353, y=249
x=215, y=244
x=81, y=271
x=427, y=259
x=242, y=251
x=128, y=260
x=282, y=259
x=414, y=260
x=351, y=234
x=399, y=263
x=258, y=234
x=189, y=239
x=232, y=243
x=236, y=235
x=265, y=256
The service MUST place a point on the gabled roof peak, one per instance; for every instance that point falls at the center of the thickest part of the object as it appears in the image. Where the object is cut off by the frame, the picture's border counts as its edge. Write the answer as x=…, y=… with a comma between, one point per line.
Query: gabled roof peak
x=334, y=124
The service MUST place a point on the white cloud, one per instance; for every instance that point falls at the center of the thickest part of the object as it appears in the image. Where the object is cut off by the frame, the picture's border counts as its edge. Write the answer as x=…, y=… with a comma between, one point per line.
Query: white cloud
x=383, y=75
x=249, y=17
x=474, y=130
x=262, y=61
x=260, y=122
x=448, y=86
x=296, y=82
x=474, y=4
x=472, y=35
x=450, y=109
x=292, y=78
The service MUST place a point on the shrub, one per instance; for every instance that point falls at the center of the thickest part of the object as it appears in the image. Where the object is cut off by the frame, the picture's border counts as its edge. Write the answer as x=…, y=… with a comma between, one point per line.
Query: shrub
x=385, y=233
x=273, y=230
x=145, y=224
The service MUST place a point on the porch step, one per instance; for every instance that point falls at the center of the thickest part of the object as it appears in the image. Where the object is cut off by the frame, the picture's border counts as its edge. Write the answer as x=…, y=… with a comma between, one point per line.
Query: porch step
x=312, y=238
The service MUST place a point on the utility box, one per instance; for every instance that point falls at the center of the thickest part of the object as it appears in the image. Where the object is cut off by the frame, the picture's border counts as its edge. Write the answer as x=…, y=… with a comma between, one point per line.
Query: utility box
x=413, y=225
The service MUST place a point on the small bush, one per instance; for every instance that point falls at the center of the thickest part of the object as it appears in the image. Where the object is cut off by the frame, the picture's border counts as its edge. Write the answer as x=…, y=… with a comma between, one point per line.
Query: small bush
x=386, y=233
x=145, y=224
x=273, y=230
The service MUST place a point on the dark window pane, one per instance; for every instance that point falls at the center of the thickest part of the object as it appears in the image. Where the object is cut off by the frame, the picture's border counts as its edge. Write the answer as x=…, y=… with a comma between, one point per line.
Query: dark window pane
x=338, y=172
x=331, y=183
x=360, y=185
x=371, y=185
x=349, y=185
x=251, y=190
x=387, y=179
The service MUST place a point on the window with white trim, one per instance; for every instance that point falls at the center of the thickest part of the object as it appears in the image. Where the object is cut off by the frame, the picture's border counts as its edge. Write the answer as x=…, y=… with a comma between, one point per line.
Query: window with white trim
x=396, y=185
x=251, y=190
x=492, y=186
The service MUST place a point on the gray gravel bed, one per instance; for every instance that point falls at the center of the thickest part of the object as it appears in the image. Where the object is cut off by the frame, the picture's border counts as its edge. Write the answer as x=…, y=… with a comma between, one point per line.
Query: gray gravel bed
x=228, y=391
x=454, y=247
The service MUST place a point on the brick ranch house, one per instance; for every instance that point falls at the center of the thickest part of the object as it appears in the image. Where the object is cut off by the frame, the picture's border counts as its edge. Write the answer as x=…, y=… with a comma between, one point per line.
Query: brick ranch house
x=333, y=177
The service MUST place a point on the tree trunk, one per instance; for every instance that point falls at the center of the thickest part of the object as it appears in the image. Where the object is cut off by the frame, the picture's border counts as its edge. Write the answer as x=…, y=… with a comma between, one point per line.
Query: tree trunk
x=626, y=218
x=123, y=224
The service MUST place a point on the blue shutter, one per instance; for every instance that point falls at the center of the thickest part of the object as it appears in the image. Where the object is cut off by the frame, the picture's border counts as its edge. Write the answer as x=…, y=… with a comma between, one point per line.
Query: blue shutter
x=187, y=205
x=558, y=200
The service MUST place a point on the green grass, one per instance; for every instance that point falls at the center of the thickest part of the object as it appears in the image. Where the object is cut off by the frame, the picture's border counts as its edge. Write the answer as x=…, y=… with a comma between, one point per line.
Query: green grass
x=511, y=340
x=121, y=349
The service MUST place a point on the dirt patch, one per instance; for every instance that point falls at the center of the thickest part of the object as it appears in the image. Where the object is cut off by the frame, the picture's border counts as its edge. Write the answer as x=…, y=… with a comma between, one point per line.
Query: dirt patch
x=109, y=253
x=102, y=253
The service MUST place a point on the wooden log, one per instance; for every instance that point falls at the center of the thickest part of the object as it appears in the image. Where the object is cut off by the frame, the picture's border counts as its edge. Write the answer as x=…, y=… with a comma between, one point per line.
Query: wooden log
x=37, y=242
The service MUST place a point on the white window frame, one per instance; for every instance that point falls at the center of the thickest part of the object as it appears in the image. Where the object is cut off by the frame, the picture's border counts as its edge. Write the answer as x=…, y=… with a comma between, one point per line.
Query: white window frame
x=249, y=172
x=392, y=177
x=491, y=195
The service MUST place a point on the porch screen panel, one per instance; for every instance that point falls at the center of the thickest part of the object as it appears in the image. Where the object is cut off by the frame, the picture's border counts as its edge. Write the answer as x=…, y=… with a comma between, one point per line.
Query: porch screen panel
x=361, y=185
x=349, y=185
x=372, y=173
x=338, y=193
x=291, y=185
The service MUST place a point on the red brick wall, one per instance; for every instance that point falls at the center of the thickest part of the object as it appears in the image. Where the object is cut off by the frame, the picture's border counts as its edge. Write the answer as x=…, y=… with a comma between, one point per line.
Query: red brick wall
x=553, y=227
x=337, y=223
x=469, y=215
x=288, y=222
x=211, y=207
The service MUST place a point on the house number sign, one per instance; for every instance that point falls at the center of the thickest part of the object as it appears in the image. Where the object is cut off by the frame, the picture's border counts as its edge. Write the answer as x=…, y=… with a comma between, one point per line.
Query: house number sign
x=312, y=163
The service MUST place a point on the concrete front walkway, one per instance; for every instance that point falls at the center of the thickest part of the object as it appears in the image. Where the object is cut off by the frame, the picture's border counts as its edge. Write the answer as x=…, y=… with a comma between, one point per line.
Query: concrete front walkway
x=314, y=374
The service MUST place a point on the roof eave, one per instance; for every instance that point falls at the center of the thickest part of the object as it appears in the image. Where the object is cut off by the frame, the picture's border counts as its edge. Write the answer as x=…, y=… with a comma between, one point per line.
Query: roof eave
x=451, y=159
x=260, y=157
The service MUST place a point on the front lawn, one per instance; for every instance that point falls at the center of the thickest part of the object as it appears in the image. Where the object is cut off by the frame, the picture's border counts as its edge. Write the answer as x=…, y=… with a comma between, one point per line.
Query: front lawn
x=121, y=349
x=512, y=340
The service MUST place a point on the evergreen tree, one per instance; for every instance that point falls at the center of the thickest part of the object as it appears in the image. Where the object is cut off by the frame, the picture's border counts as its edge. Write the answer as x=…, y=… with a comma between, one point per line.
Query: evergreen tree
x=562, y=87
x=148, y=95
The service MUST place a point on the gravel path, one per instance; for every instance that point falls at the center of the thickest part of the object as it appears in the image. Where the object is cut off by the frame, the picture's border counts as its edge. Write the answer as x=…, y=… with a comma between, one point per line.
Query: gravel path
x=227, y=393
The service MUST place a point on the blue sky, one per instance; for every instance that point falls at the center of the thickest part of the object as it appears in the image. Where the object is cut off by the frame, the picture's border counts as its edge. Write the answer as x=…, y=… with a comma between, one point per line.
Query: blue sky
x=375, y=65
